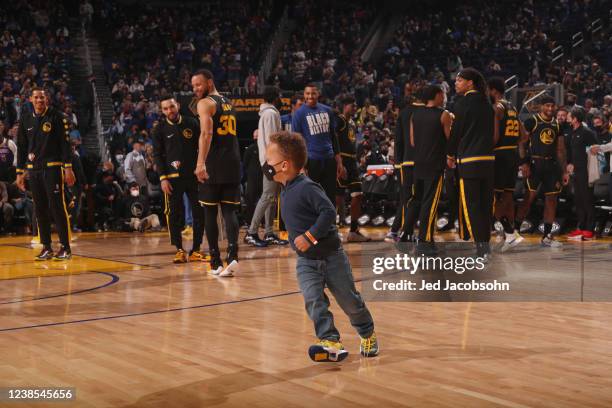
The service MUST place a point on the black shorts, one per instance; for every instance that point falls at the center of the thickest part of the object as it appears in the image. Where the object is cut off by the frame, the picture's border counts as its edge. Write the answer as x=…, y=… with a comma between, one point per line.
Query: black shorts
x=506, y=170
x=213, y=194
x=545, y=173
x=352, y=181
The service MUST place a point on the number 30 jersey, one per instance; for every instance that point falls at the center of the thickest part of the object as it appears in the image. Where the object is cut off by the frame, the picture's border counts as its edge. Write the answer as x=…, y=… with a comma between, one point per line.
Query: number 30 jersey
x=223, y=161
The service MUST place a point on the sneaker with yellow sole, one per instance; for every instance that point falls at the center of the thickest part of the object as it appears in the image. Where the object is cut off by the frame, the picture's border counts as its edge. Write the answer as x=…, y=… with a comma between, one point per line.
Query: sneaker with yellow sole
x=327, y=351
x=187, y=231
x=369, y=346
x=180, y=257
x=198, y=256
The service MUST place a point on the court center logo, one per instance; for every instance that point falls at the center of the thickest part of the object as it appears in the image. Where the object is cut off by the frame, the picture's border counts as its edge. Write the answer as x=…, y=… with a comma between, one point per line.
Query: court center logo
x=187, y=133
x=46, y=127
x=547, y=136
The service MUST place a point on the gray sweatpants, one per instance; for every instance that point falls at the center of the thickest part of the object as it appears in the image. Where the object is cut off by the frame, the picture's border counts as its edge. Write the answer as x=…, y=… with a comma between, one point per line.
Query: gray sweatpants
x=265, y=207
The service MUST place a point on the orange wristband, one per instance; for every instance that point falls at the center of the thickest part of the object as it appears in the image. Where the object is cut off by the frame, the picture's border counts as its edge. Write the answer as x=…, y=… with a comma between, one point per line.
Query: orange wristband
x=311, y=238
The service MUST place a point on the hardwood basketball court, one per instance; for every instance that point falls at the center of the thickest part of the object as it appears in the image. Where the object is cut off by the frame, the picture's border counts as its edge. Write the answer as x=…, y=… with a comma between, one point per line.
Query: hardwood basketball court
x=127, y=328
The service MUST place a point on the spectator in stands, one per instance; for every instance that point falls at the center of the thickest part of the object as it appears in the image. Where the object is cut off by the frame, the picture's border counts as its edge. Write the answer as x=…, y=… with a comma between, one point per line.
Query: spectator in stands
x=135, y=165
x=107, y=201
x=72, y=117
x=22, y=203
x=6, y=209
x=8, y=113
x=137, y=211
x=8, y=155
x=250, y=84
x=86, y=12
x=603, y=131
x=78, y=188
x=86, y=104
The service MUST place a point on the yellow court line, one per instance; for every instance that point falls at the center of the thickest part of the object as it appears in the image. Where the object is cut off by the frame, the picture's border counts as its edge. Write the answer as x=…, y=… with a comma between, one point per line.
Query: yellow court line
x=18, y=263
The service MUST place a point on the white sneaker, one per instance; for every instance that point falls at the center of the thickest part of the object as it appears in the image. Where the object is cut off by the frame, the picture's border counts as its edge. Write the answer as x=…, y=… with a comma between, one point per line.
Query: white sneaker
x=548, y=241
x=230, y=270
x=217, y=271
x=511, y=241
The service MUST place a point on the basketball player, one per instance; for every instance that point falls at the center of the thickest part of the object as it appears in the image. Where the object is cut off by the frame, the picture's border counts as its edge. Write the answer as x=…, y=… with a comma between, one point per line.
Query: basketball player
x=218, y=168
x=316, y=123
x=175, y=150
x=311, y=222
x=43, y=148
x=430, y=129
x=408, y=209
x=296, y=102
x=506, y=160
x=471, y=147
x=545, y=168
x=349, y=179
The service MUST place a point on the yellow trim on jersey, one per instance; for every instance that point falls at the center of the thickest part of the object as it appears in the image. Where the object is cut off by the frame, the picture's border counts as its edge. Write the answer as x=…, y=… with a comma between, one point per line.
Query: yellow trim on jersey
x=465, y=209
x=167, y=214
x=351, y=156
x=505, y=148
x=434, y=209
x=207, y=203
x=494, y=203
x=402, y=204
x=542, y=119
x=230, y=202
x=476, y=158
x=54, y=164
x=168, y=176
x=177, y=123
x=407, y=163
x=65, y=208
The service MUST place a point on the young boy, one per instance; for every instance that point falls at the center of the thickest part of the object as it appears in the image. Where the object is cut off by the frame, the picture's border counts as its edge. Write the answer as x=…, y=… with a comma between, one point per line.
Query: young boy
x=310, y=218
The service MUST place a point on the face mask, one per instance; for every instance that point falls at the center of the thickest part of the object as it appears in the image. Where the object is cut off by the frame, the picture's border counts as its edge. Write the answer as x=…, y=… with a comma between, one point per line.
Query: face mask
x=134, y=193
x=269, y=171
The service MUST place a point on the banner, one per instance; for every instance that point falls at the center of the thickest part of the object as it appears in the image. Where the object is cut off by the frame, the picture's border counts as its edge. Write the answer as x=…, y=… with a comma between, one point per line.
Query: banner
x=251, y=104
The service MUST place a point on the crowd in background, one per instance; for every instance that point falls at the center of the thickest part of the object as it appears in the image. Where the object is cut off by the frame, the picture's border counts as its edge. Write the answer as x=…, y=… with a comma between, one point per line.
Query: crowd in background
x=36, y=49
x=150, y=50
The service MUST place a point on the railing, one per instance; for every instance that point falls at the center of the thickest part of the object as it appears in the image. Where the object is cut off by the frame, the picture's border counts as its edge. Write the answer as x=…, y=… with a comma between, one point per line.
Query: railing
x=102, y=145
x=557, y=53
x=511, y=83
x=269, y=59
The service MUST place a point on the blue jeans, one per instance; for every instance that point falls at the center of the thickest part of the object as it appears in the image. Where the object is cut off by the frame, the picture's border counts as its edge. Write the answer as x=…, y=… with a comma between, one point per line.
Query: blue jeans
x=335, y=273
x=188, y=213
